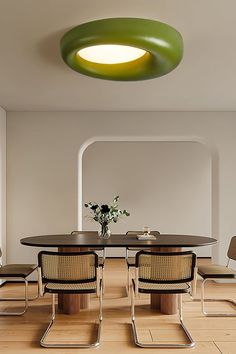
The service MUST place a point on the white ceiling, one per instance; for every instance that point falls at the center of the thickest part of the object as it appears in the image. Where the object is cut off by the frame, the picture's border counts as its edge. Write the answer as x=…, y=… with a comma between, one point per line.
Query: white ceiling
x=33, y=77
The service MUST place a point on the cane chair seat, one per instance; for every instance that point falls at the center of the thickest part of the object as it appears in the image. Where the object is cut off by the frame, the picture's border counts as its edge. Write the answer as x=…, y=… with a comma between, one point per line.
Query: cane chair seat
x=216, y=271
x=17, y=270
x=175, y=288
x=90, y=287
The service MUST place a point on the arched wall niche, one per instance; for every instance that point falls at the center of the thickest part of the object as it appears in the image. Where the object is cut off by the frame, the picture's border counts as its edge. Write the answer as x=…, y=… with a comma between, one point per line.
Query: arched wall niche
x=192, y=139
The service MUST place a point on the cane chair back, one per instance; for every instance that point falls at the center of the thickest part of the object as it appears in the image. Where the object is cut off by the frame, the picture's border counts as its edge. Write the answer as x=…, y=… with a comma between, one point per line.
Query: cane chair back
x=176, y=267
x=68, y=267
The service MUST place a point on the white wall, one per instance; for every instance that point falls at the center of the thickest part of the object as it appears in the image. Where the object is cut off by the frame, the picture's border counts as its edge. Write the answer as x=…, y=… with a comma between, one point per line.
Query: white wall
x=42, y=151
x=165, y=185
x=3, y=182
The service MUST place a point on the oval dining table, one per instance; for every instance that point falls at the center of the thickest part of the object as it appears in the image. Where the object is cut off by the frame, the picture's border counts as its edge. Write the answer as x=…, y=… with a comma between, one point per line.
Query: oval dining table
x=83, y=240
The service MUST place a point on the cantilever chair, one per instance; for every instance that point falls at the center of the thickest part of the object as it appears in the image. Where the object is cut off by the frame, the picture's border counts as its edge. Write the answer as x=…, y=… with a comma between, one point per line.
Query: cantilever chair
x=163, y=273
x=11, y=272
x=218, y=272
x=130, y=260
x=69, y=273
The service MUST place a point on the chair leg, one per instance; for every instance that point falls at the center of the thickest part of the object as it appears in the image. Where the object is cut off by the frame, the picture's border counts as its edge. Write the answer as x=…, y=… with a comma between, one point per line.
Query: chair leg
x=102, y=276
x=203, y=300
x=97, y=343
x=128, y=282
x=191, y=343
x=42, y=340
x=73, y=345
x=188, y=335
x=25, y=299
x=20, y=298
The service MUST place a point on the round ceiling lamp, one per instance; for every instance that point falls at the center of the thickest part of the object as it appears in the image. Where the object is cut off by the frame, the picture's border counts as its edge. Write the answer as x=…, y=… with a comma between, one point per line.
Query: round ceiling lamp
x=122, y=49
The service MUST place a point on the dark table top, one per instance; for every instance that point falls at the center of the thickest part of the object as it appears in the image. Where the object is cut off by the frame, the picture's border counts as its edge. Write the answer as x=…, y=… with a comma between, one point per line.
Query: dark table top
x=91, y=239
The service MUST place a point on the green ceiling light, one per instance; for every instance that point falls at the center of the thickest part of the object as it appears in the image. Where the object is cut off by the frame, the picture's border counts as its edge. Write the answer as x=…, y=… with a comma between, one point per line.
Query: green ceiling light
x=123, y=49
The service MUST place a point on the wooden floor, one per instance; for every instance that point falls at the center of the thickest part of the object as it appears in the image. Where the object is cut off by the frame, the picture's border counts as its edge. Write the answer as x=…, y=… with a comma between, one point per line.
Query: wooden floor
x=22, y=334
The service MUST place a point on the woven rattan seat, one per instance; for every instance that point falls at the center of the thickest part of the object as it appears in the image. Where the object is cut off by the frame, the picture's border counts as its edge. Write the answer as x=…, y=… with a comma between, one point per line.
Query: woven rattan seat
x=69, y=273
x=163, y=273
x=80, y=288
x=149, y=288
x=216, y=271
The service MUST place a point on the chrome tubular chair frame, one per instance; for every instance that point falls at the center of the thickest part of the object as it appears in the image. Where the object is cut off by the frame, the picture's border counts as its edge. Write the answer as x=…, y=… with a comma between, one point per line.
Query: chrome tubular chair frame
x=11, y=275
x=204, y=300
x=25, y=299
x=135, y=291
x=191, y=343
x=98, y=289
x=210, y=273
x=53, y=316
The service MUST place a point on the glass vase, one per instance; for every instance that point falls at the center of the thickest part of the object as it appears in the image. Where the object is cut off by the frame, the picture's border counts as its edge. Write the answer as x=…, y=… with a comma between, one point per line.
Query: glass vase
x=104, y=231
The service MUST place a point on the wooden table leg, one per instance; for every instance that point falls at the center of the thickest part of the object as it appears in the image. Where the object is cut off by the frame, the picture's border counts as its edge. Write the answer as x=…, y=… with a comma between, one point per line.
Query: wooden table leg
x=72, y=303
x=69, y=303
x=166, y=303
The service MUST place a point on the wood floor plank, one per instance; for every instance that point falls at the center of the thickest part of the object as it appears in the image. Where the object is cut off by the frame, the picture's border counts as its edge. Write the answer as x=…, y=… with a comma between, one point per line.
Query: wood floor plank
x=175, y=334
x=227, y=348
x=21, y=335
x=106, y=348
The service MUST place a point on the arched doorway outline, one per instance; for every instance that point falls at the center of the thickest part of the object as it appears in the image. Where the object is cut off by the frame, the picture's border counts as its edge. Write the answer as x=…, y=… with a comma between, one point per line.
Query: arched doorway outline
x=213, y=153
